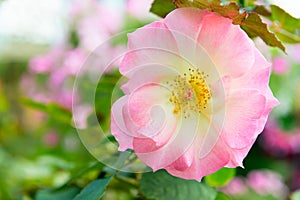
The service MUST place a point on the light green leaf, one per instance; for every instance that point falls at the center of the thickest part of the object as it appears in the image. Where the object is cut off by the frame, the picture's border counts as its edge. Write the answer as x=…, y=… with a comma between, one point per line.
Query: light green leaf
x=161, y=185
x=94, y=191
x=222, y=196
x=286, y=21
x=221, y=177
x=296, y=195
x=285, y=26
x=52, y=109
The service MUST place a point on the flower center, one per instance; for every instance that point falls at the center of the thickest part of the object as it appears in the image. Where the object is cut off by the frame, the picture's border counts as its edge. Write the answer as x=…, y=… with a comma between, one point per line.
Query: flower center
x=190, y=92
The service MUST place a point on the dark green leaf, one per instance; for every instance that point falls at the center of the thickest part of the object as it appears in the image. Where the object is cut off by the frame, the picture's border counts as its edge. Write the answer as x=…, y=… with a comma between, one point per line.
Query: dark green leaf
x=262, y=10
x=222, y=196
x=105, y=93
x=221, y=177
x=74, y=39
x=162, y=7
x=65, y=194
x=94, y=191
x=161, y=185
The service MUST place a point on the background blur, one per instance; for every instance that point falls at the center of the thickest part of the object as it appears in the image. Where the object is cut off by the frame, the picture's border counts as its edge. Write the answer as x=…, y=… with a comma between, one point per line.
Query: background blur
x=43, y=44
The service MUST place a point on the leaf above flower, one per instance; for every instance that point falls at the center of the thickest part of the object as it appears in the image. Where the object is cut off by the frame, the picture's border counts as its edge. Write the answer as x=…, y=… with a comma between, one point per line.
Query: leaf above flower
x=250, y=22
x=285, y=26
x=162, y=7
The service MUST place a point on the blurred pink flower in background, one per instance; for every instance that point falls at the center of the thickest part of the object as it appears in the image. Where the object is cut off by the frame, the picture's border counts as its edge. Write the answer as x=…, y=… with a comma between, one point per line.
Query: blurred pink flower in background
x=185, y=93
x=267, y=182
x=47, y=62
x=295, y=52
x=80, y=8
x=279, y=142
x=73, y=61
x=236, y=186
x=262, y=182
x=139, y=8
x=94, y=22
x=81, y=120
x=51, y=139
x=281, y=65
x=65, y=97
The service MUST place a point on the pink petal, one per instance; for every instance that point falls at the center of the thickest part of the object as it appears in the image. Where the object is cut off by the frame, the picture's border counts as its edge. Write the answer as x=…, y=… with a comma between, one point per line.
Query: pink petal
x=270, y=104
x=243, y=109
x=179, y=143
x=151, y=44
x=215, y=160
x=257, y=77
x=180, y=19
x=118, y=127
x=151, y=74
x=221, y=38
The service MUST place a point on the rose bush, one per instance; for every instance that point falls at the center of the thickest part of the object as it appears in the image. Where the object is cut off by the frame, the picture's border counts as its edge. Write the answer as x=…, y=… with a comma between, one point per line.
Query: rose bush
x=197, y=95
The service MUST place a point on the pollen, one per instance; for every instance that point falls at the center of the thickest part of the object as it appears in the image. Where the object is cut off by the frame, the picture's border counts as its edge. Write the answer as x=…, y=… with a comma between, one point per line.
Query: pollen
x=189, y=92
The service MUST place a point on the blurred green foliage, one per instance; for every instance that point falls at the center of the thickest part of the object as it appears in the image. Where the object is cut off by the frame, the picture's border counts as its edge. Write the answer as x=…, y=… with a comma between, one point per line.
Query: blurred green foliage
x=42, y=157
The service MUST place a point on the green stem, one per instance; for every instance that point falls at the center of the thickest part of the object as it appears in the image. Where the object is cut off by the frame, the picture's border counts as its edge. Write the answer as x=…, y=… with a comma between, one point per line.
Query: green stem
x=126, y=181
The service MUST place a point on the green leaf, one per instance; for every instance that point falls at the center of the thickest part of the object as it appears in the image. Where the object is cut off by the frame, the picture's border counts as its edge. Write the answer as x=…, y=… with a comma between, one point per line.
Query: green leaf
x=222, y=196
x=221, y=177
x=262, y=10
x=231, y=10
x=254, y=27
x=201, y=4
x=162, y=7
x=52, y=109
x=295, y=195
x=285, y=26
x=94, y=191
x=161, y=185
x=103, y=98
x=65, y=194
x=286, y=21
x=250, y=22
x=104, y=92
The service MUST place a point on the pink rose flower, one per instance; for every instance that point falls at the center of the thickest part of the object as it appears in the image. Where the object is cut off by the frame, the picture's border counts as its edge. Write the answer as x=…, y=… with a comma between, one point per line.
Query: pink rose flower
x=197, y=95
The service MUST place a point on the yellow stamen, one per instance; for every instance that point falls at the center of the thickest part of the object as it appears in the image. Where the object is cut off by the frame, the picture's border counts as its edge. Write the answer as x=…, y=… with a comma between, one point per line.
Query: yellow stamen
x=190, y=92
